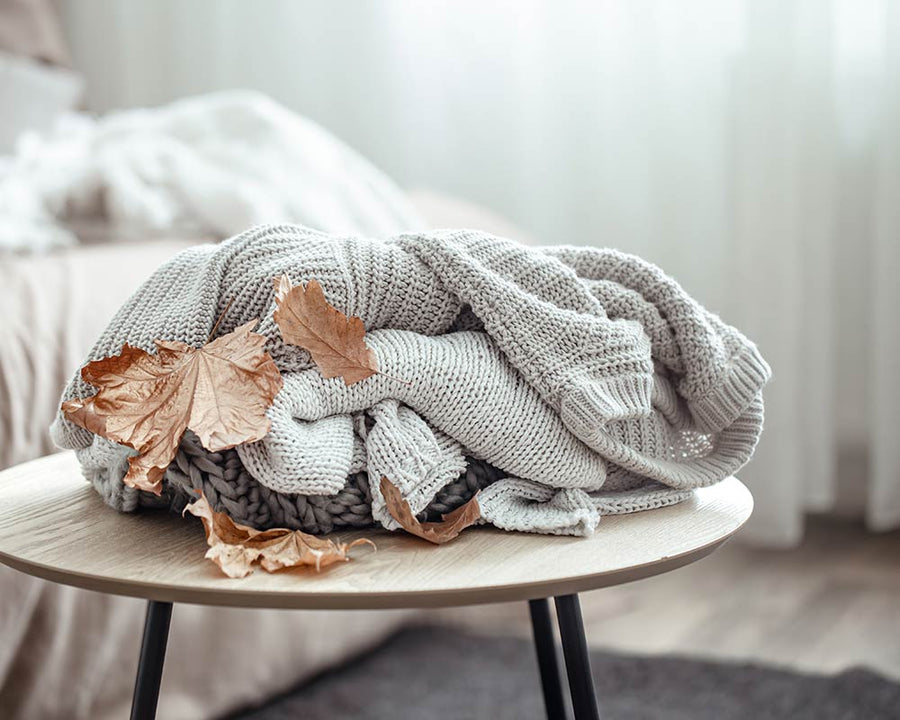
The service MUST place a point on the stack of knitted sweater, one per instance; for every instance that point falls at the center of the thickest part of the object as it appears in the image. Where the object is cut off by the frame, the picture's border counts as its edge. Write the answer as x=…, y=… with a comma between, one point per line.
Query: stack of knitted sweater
x=561, y=383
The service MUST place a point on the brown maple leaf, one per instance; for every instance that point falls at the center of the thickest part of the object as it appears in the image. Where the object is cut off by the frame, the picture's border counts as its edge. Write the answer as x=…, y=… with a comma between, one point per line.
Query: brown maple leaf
x=234, y=547
x=436, y=532
x=221, y=391
x=337, y=343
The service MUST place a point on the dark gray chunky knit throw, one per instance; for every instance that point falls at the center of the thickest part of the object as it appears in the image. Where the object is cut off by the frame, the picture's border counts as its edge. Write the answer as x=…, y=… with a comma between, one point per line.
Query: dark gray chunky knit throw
x=231, y=489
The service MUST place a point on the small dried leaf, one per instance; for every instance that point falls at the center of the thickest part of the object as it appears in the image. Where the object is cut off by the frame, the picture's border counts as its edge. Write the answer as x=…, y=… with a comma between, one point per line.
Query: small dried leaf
x=221, y=391
x=235, y=547
x=336, y=343
x=436, y=532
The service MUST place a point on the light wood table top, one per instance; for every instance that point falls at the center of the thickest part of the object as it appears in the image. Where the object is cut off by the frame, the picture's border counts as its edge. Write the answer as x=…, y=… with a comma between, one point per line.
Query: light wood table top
x=54, y=526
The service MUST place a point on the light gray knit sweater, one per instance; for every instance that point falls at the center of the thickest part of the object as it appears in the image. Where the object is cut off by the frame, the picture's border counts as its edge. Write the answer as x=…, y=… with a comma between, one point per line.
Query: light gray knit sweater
x=588, y=377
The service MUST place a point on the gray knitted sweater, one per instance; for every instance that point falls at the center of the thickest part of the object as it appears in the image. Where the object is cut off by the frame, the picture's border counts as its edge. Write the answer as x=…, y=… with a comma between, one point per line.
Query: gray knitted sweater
x=587, y=379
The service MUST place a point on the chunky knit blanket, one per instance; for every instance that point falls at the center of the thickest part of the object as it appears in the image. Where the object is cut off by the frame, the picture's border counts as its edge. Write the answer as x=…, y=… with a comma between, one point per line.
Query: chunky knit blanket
x=562, y=383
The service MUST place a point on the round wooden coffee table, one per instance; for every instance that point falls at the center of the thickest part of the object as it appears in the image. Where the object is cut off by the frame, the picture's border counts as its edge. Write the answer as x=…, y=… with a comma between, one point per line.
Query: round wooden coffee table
x=54, y=526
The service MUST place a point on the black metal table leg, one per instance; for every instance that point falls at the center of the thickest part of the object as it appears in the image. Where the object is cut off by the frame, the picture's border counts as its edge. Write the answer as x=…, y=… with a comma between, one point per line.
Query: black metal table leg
x=578, y=662
x=150, y=665
x=545, y=645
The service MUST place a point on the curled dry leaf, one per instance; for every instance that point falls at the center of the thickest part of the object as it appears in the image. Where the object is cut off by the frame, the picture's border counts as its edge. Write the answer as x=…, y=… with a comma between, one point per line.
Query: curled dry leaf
x=436, y=532
x=234, y=547
x=221, y=391
x=337, y=343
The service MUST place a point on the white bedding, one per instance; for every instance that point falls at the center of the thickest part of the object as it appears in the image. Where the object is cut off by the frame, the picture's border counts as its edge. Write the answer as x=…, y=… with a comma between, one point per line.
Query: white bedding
x=206, y=166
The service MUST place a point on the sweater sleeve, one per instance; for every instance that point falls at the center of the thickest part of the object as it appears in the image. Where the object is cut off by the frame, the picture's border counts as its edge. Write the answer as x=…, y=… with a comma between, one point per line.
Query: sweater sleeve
x=717, y=370
x=590, y=368
x=460, y=383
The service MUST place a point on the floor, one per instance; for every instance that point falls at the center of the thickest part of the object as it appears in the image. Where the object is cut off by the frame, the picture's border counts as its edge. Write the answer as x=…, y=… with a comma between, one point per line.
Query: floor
x=832, y=603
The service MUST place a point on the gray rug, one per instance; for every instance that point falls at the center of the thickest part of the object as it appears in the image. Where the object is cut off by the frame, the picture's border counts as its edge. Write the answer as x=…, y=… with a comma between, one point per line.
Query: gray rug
x=436, y=673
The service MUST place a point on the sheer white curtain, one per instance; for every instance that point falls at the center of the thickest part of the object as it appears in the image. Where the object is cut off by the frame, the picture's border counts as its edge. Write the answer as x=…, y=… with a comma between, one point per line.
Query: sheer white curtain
x=749, y=147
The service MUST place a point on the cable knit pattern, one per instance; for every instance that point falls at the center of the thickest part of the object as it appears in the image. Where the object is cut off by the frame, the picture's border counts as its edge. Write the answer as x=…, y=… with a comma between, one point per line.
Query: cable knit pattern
x=563, y=383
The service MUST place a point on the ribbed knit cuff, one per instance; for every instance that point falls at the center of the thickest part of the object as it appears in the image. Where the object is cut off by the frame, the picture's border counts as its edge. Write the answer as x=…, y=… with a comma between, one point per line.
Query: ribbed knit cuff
x=69, y=436
x=587, y=406
x=724, y=403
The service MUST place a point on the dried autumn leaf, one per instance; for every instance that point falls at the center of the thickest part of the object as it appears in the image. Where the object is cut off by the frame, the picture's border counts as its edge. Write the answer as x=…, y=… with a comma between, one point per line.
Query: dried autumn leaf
x=221, y=391
x=336, y=343
x=234, y=547
x=436, y=532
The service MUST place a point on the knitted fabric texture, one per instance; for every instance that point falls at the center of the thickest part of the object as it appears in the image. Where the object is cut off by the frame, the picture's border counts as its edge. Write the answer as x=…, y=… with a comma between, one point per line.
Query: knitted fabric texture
x=566, y=382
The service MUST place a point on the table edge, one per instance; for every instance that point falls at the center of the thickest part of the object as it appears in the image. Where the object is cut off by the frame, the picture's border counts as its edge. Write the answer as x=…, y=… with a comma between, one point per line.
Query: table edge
x=235, y=597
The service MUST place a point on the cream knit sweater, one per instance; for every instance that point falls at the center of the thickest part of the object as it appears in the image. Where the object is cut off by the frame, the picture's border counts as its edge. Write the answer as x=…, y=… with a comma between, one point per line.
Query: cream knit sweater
x=587, y=376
